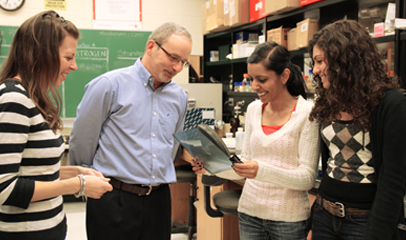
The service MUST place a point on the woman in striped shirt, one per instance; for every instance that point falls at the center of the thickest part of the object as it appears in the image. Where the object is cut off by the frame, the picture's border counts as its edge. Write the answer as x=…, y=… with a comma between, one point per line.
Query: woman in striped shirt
x=32, y=181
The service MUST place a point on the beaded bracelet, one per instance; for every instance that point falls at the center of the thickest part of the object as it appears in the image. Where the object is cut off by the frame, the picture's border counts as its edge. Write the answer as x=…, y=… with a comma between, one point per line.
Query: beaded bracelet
x=82, y=186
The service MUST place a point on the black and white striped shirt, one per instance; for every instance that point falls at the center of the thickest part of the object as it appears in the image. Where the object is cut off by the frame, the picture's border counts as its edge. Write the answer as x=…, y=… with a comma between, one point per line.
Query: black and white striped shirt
x=29, y=151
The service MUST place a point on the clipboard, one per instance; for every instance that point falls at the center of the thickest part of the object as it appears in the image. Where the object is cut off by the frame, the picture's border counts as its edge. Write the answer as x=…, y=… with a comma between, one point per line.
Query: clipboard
x=204, y=144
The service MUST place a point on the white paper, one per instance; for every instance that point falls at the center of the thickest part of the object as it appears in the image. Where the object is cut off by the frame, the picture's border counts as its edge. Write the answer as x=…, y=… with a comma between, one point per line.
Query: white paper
x=208, y=115
x=117, y=10
x=232, y=9
x=225, y=6
x=390, y=16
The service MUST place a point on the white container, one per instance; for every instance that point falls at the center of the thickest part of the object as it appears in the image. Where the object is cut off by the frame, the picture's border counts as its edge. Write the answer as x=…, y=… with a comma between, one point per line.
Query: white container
x=239, y=139
x=214, y=56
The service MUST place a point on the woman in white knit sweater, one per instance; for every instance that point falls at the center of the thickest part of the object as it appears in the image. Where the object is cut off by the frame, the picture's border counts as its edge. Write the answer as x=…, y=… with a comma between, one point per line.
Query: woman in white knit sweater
x=280, y=150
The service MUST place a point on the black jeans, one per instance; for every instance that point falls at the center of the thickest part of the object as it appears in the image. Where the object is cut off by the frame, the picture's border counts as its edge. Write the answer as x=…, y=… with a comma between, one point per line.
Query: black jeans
x=120, y=215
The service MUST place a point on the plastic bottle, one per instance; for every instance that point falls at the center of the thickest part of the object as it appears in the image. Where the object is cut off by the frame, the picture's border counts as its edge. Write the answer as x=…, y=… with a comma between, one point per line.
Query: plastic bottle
x=236, y=87
x=240, y=87
x=245, y=82
x=239, y=139
x=231, y=83
x=309, y=80
x=310, y=75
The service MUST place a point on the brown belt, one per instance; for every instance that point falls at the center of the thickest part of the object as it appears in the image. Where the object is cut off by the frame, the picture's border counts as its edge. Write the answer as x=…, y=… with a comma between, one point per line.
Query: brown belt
x=140, y=190
x=338, y=209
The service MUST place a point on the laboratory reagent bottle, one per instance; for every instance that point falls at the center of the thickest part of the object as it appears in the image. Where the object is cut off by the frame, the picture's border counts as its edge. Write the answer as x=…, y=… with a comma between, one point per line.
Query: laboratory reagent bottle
x=239, y=139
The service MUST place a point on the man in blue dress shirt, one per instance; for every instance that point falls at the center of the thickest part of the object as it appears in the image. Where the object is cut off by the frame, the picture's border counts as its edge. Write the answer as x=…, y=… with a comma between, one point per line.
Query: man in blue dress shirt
x=124, y=128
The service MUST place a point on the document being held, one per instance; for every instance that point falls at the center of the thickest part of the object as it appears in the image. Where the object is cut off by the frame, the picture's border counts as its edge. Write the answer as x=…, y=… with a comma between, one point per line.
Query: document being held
x=207, y=148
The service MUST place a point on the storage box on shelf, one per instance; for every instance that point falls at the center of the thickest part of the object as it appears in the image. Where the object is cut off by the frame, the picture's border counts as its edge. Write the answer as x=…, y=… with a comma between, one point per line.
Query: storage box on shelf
x=305, y=31
x=278, y=35
x=273, y=7
x=215, y=15
x=236, y=13
x=257, y=10
x=292, y=39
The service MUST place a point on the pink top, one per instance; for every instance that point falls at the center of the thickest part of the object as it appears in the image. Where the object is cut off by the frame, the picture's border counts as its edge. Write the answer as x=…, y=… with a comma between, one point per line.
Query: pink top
x=268, y=130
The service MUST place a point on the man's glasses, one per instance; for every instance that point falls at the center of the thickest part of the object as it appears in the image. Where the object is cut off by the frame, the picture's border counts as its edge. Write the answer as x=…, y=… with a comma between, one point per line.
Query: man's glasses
x=173, y=58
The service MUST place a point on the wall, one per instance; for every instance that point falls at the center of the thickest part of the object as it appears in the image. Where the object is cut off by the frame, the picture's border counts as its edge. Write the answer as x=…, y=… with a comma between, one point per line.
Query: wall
x=154, y=12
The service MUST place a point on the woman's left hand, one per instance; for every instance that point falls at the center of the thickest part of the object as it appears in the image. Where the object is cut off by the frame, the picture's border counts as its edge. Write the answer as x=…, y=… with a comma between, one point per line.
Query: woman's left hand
x=248, y=169
x=89, y=171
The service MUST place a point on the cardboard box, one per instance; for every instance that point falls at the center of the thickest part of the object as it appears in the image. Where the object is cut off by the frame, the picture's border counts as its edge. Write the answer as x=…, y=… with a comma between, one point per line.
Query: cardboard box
x=238, y=12
x=292, y=39
x=215, y=15
x=196, y=62
x=257, y=10
x=305, y=31
x=308, y=2
x=275, y=7
x=204, y=19
x=278, y=35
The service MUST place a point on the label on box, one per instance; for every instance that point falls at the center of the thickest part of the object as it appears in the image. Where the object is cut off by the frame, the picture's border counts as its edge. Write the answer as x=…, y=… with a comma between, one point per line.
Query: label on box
x=232, y=9
x=379, y=29
x=258, y=6
x=225, y=6
x=207, y=4
x=257, y=10
x=304, y=27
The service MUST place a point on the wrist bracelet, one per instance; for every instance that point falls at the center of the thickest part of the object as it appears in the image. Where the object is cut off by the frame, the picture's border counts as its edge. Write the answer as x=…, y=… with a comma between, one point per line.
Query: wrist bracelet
x=82, y=186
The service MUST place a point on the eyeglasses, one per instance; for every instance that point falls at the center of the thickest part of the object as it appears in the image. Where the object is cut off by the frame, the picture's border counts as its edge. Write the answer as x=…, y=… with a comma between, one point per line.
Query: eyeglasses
x=173, y=58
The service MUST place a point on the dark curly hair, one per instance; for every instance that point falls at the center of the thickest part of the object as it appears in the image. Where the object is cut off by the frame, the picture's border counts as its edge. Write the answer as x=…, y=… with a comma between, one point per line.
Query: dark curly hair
x=355, y=70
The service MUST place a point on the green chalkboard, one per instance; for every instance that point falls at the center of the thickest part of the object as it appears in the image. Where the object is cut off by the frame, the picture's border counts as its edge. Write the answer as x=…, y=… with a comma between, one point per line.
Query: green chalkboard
x=98, y=51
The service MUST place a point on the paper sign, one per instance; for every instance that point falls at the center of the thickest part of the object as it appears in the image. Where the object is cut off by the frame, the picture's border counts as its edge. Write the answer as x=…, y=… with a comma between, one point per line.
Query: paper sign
x=208, y=115
x=55, y=5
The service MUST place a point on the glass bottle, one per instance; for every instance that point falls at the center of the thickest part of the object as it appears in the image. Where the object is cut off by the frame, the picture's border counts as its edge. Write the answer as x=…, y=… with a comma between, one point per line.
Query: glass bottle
x=231, y=83
x=245, y=83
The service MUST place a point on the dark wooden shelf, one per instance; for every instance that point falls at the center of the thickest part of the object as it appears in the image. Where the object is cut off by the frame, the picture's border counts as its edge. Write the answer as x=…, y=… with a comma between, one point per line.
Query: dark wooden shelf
x=403, y=36
x=227, y=61
x=248, y=94
x=385, y=39
x=254, y=25
x=299, y=51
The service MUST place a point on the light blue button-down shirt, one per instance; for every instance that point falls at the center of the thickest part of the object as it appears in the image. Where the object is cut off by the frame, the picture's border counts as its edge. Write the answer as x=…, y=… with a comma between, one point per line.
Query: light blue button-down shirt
x=125, y=129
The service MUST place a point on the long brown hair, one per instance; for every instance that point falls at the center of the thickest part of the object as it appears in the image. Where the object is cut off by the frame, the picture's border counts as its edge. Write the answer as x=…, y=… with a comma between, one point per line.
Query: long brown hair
x=355, y=70
x=34, y=56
